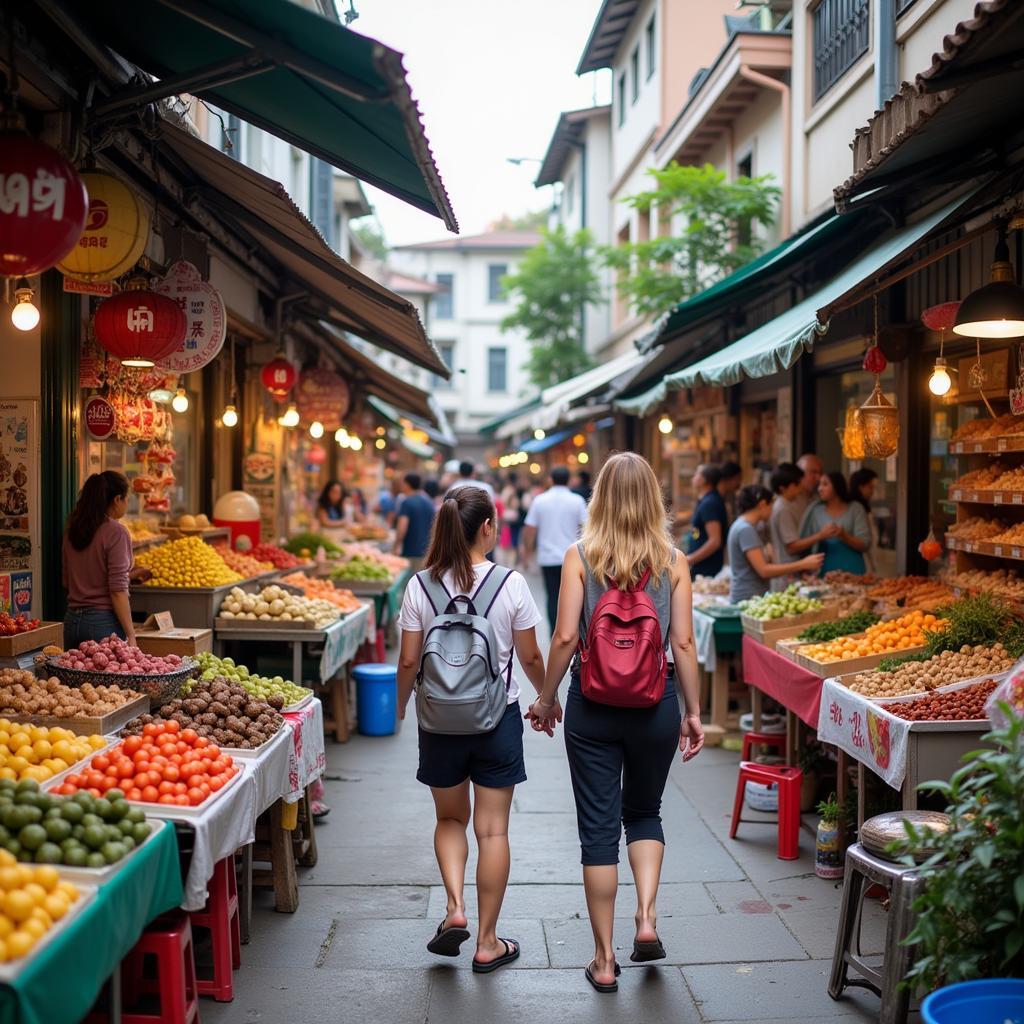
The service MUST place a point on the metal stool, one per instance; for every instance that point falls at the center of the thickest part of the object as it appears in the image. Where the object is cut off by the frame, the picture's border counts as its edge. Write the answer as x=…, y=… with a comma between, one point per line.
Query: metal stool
x=903, y=883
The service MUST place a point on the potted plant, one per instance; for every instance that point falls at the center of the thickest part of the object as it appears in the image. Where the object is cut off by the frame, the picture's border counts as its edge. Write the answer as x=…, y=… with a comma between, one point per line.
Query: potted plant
x=970, y=922
x=828, y=858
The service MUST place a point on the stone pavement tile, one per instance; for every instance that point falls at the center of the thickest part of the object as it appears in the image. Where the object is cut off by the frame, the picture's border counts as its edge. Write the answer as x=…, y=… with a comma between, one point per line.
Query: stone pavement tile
x=375, y=865
x=346, y=901
x=559, y=902
x=277, y=944
x=738, y=897
x=265, y=995
x=783, y=991
x=653, y=997
x=725, y=938
x=402, y=945
x=816, y=931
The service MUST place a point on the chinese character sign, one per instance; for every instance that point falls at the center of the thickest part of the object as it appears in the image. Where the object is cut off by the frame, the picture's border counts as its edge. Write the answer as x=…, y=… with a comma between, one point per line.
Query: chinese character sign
x=207, y=319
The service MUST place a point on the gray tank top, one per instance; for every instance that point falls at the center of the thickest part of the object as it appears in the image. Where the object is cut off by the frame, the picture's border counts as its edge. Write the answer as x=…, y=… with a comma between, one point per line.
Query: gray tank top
x=593, y=591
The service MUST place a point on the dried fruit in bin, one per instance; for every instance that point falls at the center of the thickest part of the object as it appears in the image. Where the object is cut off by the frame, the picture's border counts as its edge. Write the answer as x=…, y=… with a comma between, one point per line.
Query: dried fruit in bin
x=966, y=704
x=22, y=694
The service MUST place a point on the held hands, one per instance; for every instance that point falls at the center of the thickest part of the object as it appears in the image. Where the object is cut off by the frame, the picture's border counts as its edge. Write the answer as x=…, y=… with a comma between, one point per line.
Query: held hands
x=691, y=737
x=829, y=530
x=543, y=717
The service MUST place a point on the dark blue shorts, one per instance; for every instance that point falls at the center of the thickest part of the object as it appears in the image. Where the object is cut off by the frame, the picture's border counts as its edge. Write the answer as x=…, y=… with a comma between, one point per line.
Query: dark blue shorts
x=493, y=759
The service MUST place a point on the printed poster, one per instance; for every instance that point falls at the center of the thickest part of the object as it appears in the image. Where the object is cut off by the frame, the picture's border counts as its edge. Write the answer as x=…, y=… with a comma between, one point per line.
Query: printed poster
x=19, y=499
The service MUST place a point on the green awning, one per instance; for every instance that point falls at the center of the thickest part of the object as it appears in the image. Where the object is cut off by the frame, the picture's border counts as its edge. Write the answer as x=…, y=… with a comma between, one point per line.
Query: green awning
x=440, y=434
x=421, y=451
x=493, y=425
x=778, y=344
x=299, y=75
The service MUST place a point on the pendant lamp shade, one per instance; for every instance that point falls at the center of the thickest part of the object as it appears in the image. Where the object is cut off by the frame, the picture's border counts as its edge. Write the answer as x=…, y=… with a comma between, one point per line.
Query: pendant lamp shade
x=997, y=309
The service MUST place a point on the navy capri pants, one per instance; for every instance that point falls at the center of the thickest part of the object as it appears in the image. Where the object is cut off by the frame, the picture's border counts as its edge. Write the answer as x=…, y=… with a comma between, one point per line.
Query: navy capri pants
x=619, y=759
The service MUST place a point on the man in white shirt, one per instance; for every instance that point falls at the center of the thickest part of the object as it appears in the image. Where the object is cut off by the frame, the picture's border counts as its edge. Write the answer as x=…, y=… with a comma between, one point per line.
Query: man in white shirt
x=553, y=524
x=467, y=478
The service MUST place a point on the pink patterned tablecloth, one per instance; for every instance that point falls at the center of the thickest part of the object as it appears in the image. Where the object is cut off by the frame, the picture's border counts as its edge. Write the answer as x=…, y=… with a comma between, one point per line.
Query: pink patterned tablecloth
x=307, y=757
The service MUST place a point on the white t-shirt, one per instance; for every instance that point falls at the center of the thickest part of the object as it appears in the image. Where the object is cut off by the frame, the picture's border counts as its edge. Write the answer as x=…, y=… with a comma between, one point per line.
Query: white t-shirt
x=514, y=608
x=463, y=482
x=559, y=515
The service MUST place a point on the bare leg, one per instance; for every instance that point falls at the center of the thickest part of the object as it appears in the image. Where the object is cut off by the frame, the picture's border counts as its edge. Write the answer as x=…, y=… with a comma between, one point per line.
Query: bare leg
x=490, y=821
x=452, y=848
x=645, y=857
x=601, y=882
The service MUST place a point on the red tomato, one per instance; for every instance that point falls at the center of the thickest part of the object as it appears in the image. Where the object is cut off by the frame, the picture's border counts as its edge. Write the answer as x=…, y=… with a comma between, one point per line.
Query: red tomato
x=101, y=762
x=181, y=747
x=109, y=782
x=134, y=793
x=94, y=778
x=218, y=766
x=150, y=794
x=159, y=762
x=212, y=751
x=180, y=788
x=172, y=726
x=155, y=778
x=125, y=769
x=189, y=735
x=141, y=780
x=171, y=773
x=132, y=745
x=216, y=783
x=204, y=786
x=140, y=756
x=201, y=742
x=165, y=788
x=166, y=798
x=177, y=760
x=196, y=796
x=93, y=791
x=67, y=789
x=151, y=729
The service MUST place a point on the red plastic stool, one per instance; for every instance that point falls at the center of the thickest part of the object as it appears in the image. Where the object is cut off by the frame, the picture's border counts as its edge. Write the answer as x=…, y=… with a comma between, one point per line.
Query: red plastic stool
x=788, y=781
x=169, y=941
x=774, y=740
x=220, y=916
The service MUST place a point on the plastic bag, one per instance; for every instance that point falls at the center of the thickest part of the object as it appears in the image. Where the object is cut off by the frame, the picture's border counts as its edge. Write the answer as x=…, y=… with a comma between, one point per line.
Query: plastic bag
x=1010, y=691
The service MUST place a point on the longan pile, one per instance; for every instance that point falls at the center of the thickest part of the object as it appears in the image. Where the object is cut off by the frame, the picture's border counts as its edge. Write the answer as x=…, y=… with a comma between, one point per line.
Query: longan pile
x=940, y=670
x=22, y=694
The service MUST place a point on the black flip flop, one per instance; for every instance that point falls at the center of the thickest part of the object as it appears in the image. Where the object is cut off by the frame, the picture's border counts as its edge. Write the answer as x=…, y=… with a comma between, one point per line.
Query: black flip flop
x=510, y=955
x=600, y=986
x=447, y=941
x=645, y=952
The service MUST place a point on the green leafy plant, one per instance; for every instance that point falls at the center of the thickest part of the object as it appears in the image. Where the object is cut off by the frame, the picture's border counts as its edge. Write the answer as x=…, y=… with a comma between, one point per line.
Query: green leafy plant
x=979, y=619
x=894, y=661
x=822, y=632
x=830, y=809
x=971, y=911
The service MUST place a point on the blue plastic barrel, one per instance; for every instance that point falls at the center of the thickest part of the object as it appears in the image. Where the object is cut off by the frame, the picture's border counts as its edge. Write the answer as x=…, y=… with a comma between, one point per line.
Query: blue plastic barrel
x=376, y=698
x=976, y=1002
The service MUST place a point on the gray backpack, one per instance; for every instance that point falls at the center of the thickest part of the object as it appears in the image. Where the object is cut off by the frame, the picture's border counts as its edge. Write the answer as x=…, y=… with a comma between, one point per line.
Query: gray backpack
x=461, y=688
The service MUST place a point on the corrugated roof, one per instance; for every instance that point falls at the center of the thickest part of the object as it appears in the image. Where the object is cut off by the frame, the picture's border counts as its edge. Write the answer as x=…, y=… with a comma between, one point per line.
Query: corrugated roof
x=485, y=240
x=606, y=35
x=566, y=134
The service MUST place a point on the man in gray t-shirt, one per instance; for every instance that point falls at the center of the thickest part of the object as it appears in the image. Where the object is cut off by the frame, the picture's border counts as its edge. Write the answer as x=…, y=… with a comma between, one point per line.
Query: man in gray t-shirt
x=788, y=511
x=745, y=582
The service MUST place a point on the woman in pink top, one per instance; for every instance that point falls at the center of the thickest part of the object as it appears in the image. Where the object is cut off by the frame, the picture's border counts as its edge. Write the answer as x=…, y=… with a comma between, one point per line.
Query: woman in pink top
x=97, y=558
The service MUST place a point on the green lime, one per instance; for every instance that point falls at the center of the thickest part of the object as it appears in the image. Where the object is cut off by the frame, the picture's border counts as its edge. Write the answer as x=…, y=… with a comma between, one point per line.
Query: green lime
x=25, y=856
x=128, y=842
x=103, y=808
x=95, y=836
x=77, y=831
x=32, y=837
x=77, y=857
x=91, y=819
x=95, y=860
x=113, y=833
x=141, y=831
x=71, y=843
x=12, y=846
x=7, y=785
x=27, y=786
x=118, y=809
x=53, y=812
x=136, y=815
x=113, y=852
x=84, y=799
x=126, y=827
x=114, y=794
x=70, y=811
x=57, y=829
x=31, y=814
x=49, y=853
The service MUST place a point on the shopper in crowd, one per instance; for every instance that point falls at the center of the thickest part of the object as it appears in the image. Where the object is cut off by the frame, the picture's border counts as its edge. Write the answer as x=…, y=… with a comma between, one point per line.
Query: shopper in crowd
x=845, y=550
x=512, y=518
x=581, y=485
x=706, y=550
x=553, y=524
x=728, y=485
x=464, y=532
x=387, y=503
x=813, y=468
x=432, y=489
x=620, y=756
x=750, y=569
x=467, y=475
x=786, y=519
x=357, y=508
x=862, y=490
x=96, y=562
x=330, y=506
x=414, y=519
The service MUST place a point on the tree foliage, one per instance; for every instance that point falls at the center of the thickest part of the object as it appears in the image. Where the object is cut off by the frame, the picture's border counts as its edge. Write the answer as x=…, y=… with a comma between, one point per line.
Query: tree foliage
x=715, y=238
x=371, y=239
x=533, y=220
x=554, y=283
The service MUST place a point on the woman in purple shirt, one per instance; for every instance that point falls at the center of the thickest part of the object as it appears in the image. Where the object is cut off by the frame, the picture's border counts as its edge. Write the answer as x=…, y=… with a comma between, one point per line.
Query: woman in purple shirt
x=97, y=558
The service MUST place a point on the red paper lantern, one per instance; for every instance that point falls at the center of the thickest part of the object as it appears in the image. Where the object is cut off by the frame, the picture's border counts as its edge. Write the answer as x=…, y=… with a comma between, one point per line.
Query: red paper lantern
x=140, y=327
x=43, y=204
x=279, y=377
x=874, y=360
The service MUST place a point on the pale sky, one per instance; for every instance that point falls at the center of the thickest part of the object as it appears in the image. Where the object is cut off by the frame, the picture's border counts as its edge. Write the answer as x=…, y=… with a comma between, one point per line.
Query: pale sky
x=490, y=77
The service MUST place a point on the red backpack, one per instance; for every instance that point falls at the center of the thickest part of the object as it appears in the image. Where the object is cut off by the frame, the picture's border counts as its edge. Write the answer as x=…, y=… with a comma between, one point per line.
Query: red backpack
x=623, y=661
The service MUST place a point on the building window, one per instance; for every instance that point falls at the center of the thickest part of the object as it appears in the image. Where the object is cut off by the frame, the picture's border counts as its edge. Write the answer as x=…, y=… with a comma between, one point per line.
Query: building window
x=497, y=369
x=904, y=5
x=744, y=228
x=634, y=72
x=444, y=302
x=842, y=29
x=447, y=352
x=495, y=273
x=650, y=44
x=622, y=99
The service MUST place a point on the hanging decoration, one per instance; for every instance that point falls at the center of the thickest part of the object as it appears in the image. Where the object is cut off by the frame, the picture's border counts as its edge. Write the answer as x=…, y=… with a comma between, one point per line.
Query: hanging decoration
x=207, y=318
x=1017, y=393
x=139, y=326
x=137, y=418
x=879, y=418
x=941, y=318
x=851, y=436
x=157, y=476
x=929, y=548
x=115, y=234
x=322, y=396
x=279, y=377
x=42, y=202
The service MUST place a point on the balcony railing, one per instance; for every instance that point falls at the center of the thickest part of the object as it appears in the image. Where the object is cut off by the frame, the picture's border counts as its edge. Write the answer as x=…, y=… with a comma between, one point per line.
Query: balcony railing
x=842, y=30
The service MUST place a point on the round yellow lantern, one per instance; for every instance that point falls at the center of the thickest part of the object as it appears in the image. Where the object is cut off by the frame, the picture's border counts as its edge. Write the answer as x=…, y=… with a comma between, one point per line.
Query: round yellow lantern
x=116, y=231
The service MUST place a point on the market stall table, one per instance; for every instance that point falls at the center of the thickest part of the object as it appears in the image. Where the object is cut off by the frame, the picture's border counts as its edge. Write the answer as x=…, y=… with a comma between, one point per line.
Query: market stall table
x=63, y=981
x=717, y=630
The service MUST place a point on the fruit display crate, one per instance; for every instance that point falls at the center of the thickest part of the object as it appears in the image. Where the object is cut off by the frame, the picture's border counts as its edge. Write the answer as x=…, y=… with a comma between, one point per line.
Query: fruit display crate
x=770, y=631
x=18, y=643
x=238, y=622
x=97, y=876
x=207, y=533
x=1003, y=549
x=88, y=725
x=988, y=445
x=12, y=968
x=792, y=651
x=195, y=607
x=364, y=588
x=976, y=496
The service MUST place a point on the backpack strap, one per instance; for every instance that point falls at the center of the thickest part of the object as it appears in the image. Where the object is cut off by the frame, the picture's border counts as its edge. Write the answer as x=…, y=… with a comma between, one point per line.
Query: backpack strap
x=490, y=587
x=436, y=591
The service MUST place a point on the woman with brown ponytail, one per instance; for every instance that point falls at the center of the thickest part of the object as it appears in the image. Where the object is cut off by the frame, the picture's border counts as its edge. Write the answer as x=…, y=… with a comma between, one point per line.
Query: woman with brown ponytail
x=465, y=532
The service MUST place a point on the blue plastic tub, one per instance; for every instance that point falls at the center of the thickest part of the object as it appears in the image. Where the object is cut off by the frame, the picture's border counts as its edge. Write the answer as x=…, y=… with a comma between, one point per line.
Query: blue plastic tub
x=976, y=1002
x=377, y=699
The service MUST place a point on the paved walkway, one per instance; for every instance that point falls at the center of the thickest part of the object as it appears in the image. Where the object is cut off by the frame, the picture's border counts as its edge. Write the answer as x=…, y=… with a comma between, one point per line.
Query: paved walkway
x=749, y=937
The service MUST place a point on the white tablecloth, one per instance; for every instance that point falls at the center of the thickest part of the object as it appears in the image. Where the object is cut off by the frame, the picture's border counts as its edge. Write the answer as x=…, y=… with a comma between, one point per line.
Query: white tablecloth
x=271, y=768
x=307, y=755
x=704, y=639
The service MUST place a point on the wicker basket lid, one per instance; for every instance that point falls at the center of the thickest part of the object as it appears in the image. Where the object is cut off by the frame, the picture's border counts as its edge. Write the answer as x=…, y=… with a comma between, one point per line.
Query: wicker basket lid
x=877, y=833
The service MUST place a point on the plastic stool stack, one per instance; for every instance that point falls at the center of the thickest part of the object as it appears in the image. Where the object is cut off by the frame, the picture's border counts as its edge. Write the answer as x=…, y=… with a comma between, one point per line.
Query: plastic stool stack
x=788, y=781
x=220, y=916
x=168, y=942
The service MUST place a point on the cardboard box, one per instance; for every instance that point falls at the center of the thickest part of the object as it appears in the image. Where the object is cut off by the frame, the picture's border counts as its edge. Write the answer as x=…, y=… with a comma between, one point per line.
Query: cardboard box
x=159, y=636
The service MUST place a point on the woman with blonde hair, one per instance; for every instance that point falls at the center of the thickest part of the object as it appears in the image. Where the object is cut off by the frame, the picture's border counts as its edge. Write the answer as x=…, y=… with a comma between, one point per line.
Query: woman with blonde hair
x=623, y=578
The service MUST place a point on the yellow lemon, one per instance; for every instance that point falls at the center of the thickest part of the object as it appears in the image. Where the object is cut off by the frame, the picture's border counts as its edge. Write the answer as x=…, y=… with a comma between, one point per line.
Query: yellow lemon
x=43, y=749
x=56, y=906
x=47, y=877
x=18, y=905
x=10, y=878
x=6, y=926
x=40, y=914
x=69, y=889
x=19, y=943
x=6, y=772
x=96, y=742
x=20, y=739
x=35, y=890
x=62, y=749
x=34, y=927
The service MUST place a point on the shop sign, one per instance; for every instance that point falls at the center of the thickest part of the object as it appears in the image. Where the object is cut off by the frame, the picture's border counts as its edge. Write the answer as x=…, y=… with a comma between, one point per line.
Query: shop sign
x=99, y=418
x=322, y=395
x=19, y=491
x=207, y=318
x=102, y=288
x=139, y=325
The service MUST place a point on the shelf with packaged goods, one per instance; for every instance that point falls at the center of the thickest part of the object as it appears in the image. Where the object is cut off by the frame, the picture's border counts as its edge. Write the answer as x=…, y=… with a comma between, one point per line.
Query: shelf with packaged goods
x=974, y=496
x=1002, y=549
x=988, y=446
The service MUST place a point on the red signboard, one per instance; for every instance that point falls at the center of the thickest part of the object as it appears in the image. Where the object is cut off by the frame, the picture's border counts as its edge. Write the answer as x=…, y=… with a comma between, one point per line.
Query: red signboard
x=99, y=418
x=104, y=288
x=322, y=395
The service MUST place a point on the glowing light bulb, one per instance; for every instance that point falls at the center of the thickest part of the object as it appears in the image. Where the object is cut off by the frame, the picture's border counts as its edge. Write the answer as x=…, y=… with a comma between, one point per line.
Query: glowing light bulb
x=380, y=444
x=25, y=315
x=340, y=434
x=356, y=444
x=534, y=468
x=230, y=416
x=290, y=417
x=179, y=403
x=665, y=425
x=539, y=435
x=316, y=429
x=583, y=458
x=940, y=382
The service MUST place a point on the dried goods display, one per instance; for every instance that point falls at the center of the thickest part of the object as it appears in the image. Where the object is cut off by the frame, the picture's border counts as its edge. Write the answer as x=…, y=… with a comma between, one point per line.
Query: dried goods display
x=777, y=605
x=118, y=657
x=39, y=753
x=274, y=603
x=165, y=765
x=346, y=601
x=977, y=528
x=279, y=558
x=140, y=530
x=913, y=676
x=222, y=711
x=186, y=562
x=245, y=565
x=12, y=625
x=262, y=686
x=33, y=900
x=1002, y=583
x=709, y=585
x=907, y=631
x=919, y=592
x=83, y=832
x=22, y=694
x=841, y=578
x=821, y=632
x=982, y=479
x=1009, y=480
x=966, y=704
x=361, y=570
x=1011, y=535
x=983, y=429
